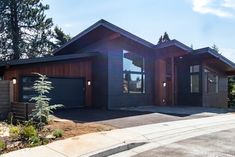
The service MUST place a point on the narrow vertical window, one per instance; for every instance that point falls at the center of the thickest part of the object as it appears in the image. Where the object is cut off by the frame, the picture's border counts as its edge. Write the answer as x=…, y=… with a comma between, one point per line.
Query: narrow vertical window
x=194, y=79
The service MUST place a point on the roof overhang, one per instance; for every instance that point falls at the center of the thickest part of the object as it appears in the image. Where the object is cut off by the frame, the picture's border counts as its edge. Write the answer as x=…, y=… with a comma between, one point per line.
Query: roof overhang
x=216, y=59
x=48, y=59
x=174, y=43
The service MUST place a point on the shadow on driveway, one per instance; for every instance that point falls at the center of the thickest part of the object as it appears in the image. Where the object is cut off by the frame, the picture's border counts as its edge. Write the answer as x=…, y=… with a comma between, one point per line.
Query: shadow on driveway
x=130, y=117
x=94, y=115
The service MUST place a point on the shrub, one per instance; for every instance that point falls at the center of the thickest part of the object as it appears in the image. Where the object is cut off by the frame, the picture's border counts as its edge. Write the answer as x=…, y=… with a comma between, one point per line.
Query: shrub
x=28, y=132
x=42, y=110
x=10, y=118
x=2, y=145
x=14, y=131
x=58, y=133
x=34, y=141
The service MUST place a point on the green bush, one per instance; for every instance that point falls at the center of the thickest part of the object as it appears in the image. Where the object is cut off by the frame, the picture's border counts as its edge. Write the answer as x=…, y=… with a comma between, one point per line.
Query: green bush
x=58, y=133
x=34, y=141
x=28, y=132
x=14, y=131
x=2, y=145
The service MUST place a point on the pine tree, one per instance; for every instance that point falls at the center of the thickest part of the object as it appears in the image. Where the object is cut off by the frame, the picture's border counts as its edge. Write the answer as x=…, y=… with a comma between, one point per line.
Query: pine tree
x=42, y=107
x=215, y=47
x=25, y=30
x=165, y=37
x=61, y=37
x=191, y=46
x=160, y=40
x=231, y=91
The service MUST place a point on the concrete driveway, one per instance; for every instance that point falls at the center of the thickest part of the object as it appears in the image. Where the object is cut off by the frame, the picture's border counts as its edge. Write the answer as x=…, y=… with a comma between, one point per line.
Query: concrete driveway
x=219, y=144
x=126, y=118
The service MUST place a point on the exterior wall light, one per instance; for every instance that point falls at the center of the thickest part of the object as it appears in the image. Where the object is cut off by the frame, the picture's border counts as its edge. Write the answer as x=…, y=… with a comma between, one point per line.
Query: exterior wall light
x=89, y=83
x=164, y=84
x=14, y=80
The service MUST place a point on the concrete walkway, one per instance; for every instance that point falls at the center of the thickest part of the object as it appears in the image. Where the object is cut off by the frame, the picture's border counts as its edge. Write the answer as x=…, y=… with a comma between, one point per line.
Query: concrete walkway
x=180, y=110
x=154, y=135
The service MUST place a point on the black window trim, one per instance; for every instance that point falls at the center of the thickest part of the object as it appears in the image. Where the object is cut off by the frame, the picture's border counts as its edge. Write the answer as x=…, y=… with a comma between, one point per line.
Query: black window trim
x=142, y=73
x=194, y=73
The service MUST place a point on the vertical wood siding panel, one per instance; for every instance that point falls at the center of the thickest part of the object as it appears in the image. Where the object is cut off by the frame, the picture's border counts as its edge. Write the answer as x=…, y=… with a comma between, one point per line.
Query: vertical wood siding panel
x=75, y=68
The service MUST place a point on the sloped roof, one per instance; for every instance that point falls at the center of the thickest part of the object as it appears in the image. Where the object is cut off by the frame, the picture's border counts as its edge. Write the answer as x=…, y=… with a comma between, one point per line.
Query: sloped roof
x=216, y=55
x=174, y=42
x=111, y=27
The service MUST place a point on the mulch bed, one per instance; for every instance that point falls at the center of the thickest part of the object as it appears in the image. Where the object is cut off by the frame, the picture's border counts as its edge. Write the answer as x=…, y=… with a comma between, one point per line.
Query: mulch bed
x=69, y=128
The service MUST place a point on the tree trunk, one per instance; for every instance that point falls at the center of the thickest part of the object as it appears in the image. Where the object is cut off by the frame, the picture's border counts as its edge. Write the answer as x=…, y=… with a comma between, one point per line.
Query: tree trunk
x=15, y=30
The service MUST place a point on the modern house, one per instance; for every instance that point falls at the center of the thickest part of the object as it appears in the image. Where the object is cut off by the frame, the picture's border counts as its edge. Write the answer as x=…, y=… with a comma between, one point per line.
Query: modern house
x=105, y=66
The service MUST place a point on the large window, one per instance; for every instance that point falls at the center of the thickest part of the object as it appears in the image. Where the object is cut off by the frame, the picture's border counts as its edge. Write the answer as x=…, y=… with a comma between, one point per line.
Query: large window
x=194, y=78
x=211, y=82
x=133, y=73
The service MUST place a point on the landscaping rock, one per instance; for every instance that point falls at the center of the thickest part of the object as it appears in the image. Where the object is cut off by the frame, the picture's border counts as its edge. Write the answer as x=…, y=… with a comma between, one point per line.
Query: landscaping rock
x=13, y=144
x=50, y=137
x=4, y=130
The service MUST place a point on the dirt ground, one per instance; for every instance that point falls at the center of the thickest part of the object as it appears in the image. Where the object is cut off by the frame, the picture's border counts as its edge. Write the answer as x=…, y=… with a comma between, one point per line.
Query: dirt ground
x=71, y=128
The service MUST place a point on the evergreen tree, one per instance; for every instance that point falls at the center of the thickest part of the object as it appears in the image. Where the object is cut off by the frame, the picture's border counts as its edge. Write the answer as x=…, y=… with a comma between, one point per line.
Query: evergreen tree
x=215, y=47
x=60, y=36
x=231, y=91
x=165, y=37
x=160, y=40
x=25, y=30
x=42, y=107
x=191, y=46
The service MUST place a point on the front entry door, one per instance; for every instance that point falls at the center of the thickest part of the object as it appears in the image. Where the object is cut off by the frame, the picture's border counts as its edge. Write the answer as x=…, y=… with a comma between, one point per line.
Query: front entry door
x=165, y=82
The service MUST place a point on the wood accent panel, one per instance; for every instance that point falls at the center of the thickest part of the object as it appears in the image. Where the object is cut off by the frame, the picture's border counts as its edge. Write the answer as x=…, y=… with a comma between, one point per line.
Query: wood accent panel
x=160, y=69
x=73, y=69
x=168, y=93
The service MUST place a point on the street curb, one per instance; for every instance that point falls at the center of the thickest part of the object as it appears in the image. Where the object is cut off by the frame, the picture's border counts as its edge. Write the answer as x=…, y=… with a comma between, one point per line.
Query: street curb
x=115, y=149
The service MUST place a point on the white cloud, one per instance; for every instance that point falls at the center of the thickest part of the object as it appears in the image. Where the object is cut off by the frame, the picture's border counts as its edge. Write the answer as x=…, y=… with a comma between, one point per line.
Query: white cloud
x=204, y=7
x=228, y=53
x=229, y=4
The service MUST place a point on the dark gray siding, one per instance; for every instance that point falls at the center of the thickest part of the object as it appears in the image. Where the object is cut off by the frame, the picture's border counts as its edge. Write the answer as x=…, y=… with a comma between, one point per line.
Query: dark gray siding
x=219, y=99
x=116, y=97
x=99, y=74
x=185, y=97
x=5, y=98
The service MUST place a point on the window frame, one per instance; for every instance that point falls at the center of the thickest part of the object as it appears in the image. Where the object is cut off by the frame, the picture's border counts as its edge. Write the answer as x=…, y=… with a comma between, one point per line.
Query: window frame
x=193, y=71
x=130, y=72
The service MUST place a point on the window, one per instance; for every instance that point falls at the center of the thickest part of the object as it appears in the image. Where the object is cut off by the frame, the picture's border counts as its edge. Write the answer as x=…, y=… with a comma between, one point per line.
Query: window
x=211, y=82
x=194, y=78
x=194, y=68
x=133, y=73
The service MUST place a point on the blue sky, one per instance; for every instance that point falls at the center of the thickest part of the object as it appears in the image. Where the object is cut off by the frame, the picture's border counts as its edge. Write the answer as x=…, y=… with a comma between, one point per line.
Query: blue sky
x=198, y=22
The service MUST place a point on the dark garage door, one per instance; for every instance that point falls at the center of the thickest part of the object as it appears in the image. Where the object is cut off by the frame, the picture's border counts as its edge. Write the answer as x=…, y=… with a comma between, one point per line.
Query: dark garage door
x=66, y=91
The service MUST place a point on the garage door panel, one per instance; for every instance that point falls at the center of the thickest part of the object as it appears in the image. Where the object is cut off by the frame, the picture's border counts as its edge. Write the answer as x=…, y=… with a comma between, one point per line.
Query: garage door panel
x=66, y=91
